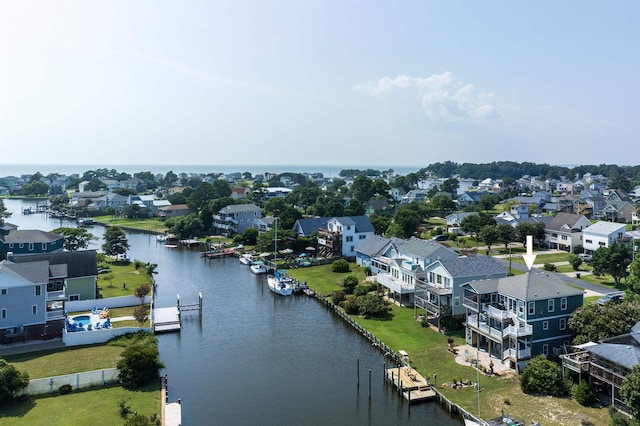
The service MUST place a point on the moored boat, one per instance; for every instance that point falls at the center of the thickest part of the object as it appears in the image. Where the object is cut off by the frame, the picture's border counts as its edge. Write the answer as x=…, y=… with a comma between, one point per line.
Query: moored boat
x=246, y=259
x=258, y=268
x=280, y=284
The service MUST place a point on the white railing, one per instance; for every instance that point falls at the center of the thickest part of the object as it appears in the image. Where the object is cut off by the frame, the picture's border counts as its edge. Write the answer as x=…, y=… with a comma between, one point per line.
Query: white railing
x=54, y=315
x=56, y=295
x=495, y=312
x=393, y=284
x=516, y=331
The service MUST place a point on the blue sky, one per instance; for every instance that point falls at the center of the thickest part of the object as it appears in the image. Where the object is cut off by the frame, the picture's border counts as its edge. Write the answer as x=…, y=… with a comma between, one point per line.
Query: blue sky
x=319, y=82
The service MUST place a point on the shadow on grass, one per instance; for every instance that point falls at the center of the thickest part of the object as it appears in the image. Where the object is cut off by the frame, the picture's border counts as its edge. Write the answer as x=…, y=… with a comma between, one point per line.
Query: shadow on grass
x=17, y=408
x=384, y=317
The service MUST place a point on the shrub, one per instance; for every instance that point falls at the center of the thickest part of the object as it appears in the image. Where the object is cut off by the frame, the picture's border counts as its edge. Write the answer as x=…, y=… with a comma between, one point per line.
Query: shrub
x=340, y=266
x=140, y=363
x=350, y=283
x=549, y=267
x=12, y=381
x=137, y=264
x=350, y=304
x=584, y=394
x=123, y=408
x=65, y=389
x=338, y=296
x=542, y=377
x=575, y=261
x=361, y=290
x=367, y=270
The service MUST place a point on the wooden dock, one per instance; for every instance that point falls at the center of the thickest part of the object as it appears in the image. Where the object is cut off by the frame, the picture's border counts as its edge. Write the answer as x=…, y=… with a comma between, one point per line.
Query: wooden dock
x=411, y=384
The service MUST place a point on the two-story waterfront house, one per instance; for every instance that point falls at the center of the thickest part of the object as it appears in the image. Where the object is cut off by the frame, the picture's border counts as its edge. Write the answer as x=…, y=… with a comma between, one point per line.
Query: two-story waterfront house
x=564, y=232
x=402, y=264
x=441, y=292
x=341, y=235
x=370, y=249
x=519, y=317
x=602, y=234
x=235, y=219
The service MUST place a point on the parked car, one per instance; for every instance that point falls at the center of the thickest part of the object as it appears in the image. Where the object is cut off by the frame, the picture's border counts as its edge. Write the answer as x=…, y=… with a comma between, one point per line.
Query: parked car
x=440, y=238
x=586, y=258
x=611, y=298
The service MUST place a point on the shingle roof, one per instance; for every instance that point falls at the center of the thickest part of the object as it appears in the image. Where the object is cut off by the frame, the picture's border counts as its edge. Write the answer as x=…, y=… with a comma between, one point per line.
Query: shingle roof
x=473, y=266
x=36, y=272
x=374, y=245
x=624, y=355
x=427, y=249
x=561, y=219
x=30, y=236
x=237, y=208
x=79, y=263
x=527, y=287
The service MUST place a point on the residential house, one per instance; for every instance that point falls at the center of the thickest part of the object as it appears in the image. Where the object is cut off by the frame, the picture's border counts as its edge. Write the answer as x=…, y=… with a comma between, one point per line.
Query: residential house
x=607, y=362
x=564, y=232
x=34, y=289
x=23, y=242
x=276, y=192
x=175, y=210
x=602, y=234
x=240, y=192
x=414, y=195
x=517, y=318
x=235, y=219
x=470, y=198
x=402, y=263
x=618, y=211
x=441, y=293
x=368, y=251
x=454, y=220
x=377, y=207
x=264, y=224
x=306, y=226
x=397, y=194
x=341, y=235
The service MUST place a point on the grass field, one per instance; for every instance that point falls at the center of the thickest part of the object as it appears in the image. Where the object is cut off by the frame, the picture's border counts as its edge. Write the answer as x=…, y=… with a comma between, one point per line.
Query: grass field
x=429, y=355
x=97, y=407
x=150, y=224
x=112, y=283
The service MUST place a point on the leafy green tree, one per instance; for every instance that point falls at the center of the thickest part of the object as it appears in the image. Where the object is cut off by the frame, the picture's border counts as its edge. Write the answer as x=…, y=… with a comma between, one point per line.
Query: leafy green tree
x=340, y=266
x=372, y=305
x=630, y=391
x=613, y=260
x=3, y=209
x=349, y=283
x=115, y=241
x=186, y=226
x=149, y=179
x=575, y=261
x=275, y=206
x=408, y=219
x=201, y=196
x=138, y=420
x=593, y=322
x=362, y=188
x=35, y=188
x=633, y=279
x=12, y=381
x=450, y=185
x=95, y=184
x=442, y=203
x=75, y=238
x=380, y=223
x=170, y=179
x=584, y=394
x=473, y=224
x=380, y=188
x=140, y=314
x=489, y=234
x=303, y=196
x=140, y=363
x=542, y=377
x=488, y=202
x=135, y=211
x=142, y=291
x=177, y=198
x=506, y=234
x=250, y=236
x=355, y=208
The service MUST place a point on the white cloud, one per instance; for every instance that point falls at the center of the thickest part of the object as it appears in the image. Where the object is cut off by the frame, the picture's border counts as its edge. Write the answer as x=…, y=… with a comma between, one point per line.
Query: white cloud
x=442, y=96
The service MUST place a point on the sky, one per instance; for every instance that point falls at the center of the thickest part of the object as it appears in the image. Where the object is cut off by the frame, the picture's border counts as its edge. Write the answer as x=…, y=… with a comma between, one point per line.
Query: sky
x=363, y=83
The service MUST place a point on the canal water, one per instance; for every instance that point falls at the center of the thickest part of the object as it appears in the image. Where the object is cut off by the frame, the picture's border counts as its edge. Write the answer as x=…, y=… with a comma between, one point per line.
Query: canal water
x=255, y=357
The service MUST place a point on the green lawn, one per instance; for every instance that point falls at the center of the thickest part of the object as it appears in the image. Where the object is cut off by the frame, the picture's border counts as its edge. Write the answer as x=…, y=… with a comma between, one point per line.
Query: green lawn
x=112, y=284
x=94, y=407
x=545, y=258
x=429, y=355
x=150, y=224
x=66, y=360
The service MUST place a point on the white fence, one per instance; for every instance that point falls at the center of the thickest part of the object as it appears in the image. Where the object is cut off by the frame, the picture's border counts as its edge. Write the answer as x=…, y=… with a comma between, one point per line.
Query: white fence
x=110, y=302
x=77, y=381
x=77, y=338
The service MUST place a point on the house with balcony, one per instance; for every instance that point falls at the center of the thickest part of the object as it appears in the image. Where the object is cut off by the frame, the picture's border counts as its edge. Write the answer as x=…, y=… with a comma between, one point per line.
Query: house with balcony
x=34, y=289
x=517, y=318
x=235, y=219
x=602, y=234
x=606, y=363
x=341, y=235
x=401, y=264
x=441, y=292
x=564, y=231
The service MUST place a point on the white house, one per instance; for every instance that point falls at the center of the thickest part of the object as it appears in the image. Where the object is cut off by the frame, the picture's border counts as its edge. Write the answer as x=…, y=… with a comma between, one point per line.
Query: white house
x=602, y=234
x=341, y=235
x=564, y=232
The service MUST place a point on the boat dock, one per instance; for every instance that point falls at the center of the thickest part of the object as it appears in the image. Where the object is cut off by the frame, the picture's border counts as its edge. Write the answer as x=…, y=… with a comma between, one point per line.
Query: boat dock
x=413, y=387
x=166, y=319
x=171, y=411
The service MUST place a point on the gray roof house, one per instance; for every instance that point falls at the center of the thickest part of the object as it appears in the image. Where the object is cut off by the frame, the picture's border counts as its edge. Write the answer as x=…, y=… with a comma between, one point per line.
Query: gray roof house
x=564, y=232
x=440, y=293
x=370, y=248
x=235, y=218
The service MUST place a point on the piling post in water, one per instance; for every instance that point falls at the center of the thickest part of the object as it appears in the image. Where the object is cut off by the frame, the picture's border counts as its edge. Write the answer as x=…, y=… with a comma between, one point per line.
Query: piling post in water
x=358, y=370
x=384, y=370
x=369, y=383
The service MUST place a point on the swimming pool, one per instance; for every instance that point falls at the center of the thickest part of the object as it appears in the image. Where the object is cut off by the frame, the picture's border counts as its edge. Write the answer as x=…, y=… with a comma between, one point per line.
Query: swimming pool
x=82, y=320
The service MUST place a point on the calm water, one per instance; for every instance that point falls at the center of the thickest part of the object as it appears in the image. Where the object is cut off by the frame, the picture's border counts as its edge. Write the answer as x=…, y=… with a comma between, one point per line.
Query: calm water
x=258, y=358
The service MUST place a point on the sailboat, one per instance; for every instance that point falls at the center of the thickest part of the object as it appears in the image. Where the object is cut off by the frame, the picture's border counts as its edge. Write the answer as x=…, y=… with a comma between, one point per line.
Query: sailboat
x=279, y=283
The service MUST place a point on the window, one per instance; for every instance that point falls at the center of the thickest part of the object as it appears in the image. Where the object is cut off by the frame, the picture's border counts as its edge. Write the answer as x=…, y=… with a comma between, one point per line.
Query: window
x=552, y=305
x=545, y=349
x=34, y=310
x=563, y=304
x=353, y=248
x=456, y=301
x=563, y=323
x=545, y=325
x=10, y=245
x=44, y=246
x=588, y=241
x=565, y=238
x=30, y=246
x=21, y=245
x=532, y=308
x=74, y=297
x=3, y=292
x=38, y=290
x=349, y=238
x=601, y=243
x=362, y=236
x=4, y=314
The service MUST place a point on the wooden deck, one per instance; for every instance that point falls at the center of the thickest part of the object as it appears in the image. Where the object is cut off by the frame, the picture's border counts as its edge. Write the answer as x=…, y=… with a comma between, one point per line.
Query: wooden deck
x=415, y=388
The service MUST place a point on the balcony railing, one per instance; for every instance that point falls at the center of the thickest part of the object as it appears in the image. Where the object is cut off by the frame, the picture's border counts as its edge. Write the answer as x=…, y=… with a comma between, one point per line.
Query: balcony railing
x=516, y=354
x=56, y=295
x=395, y=285
x=55, y=314
x=578, y=362
x=515, y=331
x=494, y=312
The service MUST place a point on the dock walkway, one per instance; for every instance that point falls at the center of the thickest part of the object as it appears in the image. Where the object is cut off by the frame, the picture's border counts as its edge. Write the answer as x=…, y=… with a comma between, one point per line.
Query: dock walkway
x=413, y=386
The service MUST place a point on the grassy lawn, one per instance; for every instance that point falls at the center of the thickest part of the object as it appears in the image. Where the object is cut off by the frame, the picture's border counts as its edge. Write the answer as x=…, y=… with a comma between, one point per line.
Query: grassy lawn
x=66, y=361
x=429, y=355
x=151, y=224
x=111, y=284
x=94, y=407
x=545, y=258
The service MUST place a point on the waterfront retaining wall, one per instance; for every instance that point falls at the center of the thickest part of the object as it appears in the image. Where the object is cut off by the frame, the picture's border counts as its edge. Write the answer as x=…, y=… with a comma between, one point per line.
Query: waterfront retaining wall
x=77, y=338
x=110, y=302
